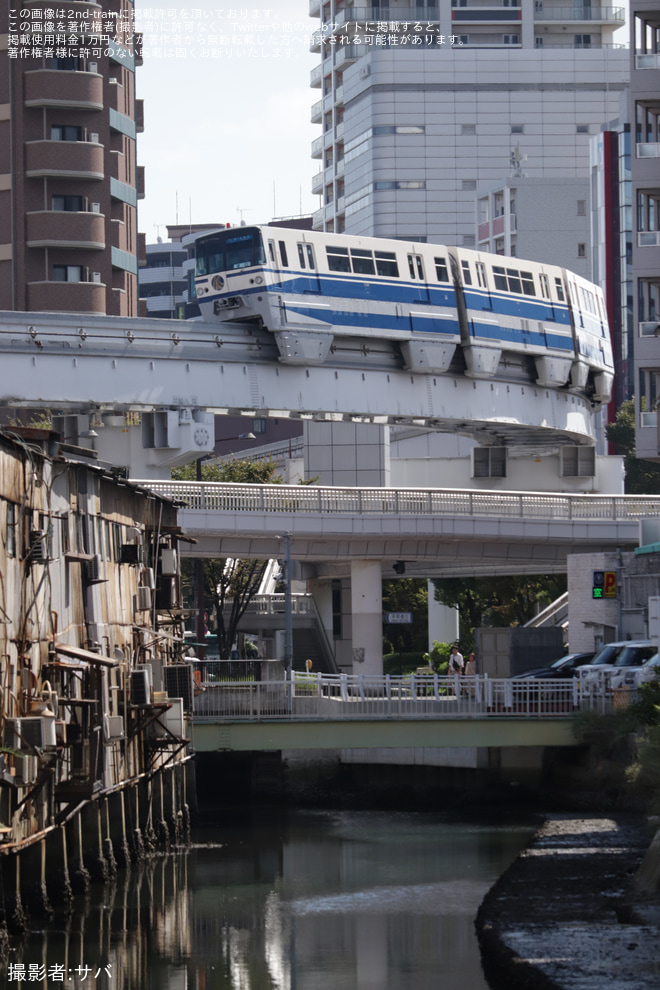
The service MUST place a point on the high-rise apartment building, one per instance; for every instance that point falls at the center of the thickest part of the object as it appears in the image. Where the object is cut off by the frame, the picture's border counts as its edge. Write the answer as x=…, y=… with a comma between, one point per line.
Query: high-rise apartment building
x=69, y=182
x=424, y=102
x=645, y=179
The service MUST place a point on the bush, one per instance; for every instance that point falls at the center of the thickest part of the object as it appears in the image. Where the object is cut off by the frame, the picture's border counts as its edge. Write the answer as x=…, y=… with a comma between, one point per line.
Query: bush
x=402, y=663
x=438, y=658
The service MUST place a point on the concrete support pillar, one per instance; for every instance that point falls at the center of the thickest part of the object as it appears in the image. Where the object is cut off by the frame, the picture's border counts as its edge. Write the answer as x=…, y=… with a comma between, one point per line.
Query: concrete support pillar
x=367, y=612
x=443, y=620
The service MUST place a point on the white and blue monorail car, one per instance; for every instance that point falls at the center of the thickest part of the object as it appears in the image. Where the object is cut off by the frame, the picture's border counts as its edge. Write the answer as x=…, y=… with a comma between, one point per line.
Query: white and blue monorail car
x=443, y=307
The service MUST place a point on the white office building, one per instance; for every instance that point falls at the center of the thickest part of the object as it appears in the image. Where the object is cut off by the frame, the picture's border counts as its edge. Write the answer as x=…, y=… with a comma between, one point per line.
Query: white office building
x=424, y=103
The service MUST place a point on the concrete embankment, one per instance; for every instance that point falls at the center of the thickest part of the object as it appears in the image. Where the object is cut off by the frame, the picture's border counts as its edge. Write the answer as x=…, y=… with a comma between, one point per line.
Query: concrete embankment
x=570, y=913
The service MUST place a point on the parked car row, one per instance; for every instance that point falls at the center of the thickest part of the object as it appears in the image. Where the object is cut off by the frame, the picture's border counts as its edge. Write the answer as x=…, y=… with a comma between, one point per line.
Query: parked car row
x=623, y=664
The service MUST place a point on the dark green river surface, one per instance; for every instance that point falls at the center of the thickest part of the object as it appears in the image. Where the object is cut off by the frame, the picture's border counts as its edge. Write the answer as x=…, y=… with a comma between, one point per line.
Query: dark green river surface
x=266, y=899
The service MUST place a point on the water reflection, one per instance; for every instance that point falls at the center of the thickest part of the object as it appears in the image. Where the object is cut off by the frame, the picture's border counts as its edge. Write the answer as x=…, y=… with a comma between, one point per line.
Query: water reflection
x=289, y=901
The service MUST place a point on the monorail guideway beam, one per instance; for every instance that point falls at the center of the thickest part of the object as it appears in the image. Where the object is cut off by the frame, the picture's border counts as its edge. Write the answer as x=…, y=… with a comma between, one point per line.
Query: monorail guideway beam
x=180, y=373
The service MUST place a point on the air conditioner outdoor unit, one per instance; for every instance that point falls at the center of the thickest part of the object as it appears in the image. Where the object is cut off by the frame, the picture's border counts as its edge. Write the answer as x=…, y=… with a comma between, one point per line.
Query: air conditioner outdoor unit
x=140, y=688
x=179, y=682
x=96, y=277
x=173, y=719
x=144, y=598
x=129, y=553
x=94, y=569
x=169, y=563
x=92, y=67
x=30, y=733
x=96, y=208
x=114, y=726
x=26, y=769
x=147, y=579
x=94, y=138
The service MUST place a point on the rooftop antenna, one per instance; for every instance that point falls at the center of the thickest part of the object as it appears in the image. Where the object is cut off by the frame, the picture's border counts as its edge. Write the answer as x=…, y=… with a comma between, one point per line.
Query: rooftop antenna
x=159, y=239
x=241, y=212
x=515, y=162
x=176, y=207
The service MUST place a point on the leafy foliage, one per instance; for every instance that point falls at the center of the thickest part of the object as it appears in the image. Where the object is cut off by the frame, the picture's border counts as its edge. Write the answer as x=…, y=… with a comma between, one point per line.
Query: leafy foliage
x=438, y=658
x=406, y=595
x=642, y=477
x=242, y=470
x=496, y=601
x=229, y=584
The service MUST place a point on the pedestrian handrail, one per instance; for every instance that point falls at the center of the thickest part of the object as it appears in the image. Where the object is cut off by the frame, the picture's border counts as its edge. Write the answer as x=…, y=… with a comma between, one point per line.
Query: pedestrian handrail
x=301, y=696
x=307, y=499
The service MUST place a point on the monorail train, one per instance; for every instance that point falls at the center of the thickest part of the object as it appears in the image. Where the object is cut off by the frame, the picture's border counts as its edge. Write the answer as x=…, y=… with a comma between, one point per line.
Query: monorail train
x=444, y=308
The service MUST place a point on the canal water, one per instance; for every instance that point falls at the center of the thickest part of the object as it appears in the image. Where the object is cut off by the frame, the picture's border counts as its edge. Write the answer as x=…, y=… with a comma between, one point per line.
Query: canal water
x=271, y=899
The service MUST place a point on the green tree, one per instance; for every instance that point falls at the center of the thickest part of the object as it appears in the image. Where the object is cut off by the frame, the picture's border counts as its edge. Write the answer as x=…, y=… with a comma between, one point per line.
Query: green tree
x=496, y=601
x=229, y=584
x=406, y=595
x=642, y=477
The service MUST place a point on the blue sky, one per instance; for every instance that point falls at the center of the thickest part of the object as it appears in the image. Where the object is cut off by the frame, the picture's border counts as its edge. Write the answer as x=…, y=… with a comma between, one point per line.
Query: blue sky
x=227, y=114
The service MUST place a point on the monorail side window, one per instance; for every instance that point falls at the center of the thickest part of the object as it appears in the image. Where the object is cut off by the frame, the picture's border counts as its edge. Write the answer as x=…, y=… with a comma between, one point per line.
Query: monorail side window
x=545, y=285
x=338, y=260
x=271, y=251
x=301, y=256
x=310, y=256
x=513, y=278
x=467, y=277
x=500, y=278
x=362, y=261
x=419, y=266
x=560, y=290
x=386, y=264
x=411, y=266
x=527, y=280
x=283, y=256
x=481, y=274
x=441, y=272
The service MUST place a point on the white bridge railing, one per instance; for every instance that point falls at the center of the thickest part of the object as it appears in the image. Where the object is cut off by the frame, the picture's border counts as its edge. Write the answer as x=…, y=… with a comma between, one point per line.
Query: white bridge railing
x=233, y=497
x=343, y=696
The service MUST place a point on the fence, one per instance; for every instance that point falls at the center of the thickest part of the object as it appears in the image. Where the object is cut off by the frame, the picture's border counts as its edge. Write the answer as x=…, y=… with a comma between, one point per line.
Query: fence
x=342, y=696
x=233, y=497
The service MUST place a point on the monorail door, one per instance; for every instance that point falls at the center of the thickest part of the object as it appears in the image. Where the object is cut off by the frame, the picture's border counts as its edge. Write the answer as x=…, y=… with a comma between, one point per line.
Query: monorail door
x=309, y=276
x=420, y=291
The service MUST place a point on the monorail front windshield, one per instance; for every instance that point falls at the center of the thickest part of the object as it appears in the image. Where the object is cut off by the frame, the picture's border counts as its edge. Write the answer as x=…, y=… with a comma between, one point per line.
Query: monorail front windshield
x=238, y=247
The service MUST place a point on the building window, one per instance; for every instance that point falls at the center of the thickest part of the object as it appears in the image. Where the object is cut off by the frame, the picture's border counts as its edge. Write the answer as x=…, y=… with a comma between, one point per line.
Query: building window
x=583, y=128
x=259, y=425
x=11, y=529
x=582, y=250
x=582, y=207
x=578, y=462
x=67, y=204
x=582, y=41
x=468, y=184
x=517, y=128
x=489, y=462
x=538, y=42
x=511, y=39
x=65, y=132
x=67, y=273
x=468, y=129
x=70, y=63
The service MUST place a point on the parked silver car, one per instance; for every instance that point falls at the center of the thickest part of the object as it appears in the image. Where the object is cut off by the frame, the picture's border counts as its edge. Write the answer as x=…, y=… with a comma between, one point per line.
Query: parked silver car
x=613, y=658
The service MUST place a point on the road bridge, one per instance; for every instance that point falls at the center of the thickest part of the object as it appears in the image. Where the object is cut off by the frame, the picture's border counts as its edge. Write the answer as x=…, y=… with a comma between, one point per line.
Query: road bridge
x=347, y=712
x=436, y=532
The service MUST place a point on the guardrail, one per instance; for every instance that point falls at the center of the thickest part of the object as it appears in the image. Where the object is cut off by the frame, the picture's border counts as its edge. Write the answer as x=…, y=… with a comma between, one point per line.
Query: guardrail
x=300, y=499
x=301, y=697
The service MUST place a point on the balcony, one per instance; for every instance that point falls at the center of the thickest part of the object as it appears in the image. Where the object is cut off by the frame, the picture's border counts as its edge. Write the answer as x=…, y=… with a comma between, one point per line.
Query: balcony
x=647, y=150
x=647, y=61
x=142, y=249
x=317, y=219
x=61, y=229
x=316, y=77
x=67, y=159
x=139, y=116
x=140, y=181
x=317, y=184
x=314, y=8
x=59, y=88
x=166, y=274
x=316, y=115
x=66, y=297
x=317, y=146
x=486, y=15
x=347, y=55
x=580, y=15
x=82, y=14
x=648, y=238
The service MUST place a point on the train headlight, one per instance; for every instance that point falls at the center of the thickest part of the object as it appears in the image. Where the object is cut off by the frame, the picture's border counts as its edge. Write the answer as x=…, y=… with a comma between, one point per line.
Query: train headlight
x=258, y=279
